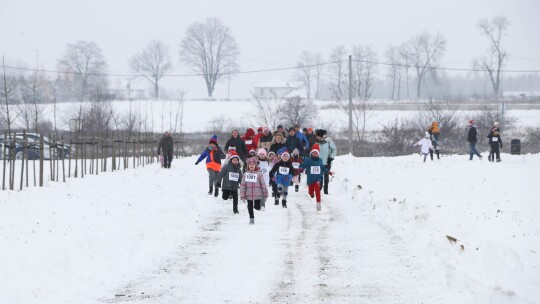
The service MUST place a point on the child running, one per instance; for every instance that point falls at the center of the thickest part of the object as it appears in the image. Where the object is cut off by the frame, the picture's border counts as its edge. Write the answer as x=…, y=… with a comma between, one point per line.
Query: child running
x=253, y=188
x=426, y=145
x=229, y=178
x=213, y=155
x=315, y=171
x=264, y=168
x=296, y=161
x=281, y=174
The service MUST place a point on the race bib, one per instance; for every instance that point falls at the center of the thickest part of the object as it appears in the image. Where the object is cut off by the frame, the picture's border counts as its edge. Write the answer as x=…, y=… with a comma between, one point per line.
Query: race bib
x=283, y=170
x=249, y=142
x=233, y=176
x=315, y=170
x=296, y=165
x=251, y=178
x=495, y=139
x=264, y=171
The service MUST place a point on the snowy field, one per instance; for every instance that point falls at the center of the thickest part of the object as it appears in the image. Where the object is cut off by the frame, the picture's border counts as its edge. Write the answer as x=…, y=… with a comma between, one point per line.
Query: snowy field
x=207, y=115
x=150, y=235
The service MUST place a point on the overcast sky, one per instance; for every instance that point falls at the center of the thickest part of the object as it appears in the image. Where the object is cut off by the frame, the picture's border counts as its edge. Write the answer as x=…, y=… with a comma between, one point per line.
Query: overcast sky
x=270, y=34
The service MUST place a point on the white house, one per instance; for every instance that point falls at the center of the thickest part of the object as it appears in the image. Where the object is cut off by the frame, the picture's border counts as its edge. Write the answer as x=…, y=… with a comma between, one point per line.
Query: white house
x=276, y=88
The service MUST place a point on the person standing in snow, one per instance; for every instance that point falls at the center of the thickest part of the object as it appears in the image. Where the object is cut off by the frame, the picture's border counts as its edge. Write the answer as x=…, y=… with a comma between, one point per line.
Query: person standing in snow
x=264, y=167
x=315, y=170
x=327, y=153
x=166, y=146
x=213, y=156
x=253, y=188
x=472, y=139
x=229, y=179
x=293, y=141
x=277, y=143
x=250, y=140
x=495, y=142
x=281, y=174
x=265, y=141
x=434, y=132
x=296, y=161
x=426, y=145
x=238, y=143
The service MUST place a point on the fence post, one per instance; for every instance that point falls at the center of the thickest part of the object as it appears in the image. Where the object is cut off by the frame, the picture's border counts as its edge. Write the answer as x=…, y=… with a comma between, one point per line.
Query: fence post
x=41, y=159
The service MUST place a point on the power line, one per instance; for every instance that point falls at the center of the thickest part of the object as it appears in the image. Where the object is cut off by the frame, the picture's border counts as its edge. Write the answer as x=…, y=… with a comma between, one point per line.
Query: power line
x=271, y=70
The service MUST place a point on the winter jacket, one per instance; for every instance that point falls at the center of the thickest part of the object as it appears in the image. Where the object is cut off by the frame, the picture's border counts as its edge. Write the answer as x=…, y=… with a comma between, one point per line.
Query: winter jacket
x=296, y=162
x=277, y=145
x=253, y=186
x=264, y=167
x=250, y=140
x=229, y=177
x=434, y=128
x=303, y=140
x=471, y=137
x=265, y=142
x=283, y=133
x=293, y=142
x=213, y=158
x=311, y=139
x=282, y=172
x=315, y=169
x=166, y=145
x=495, y=138
x=238, y=143
x=426, y=145
x=328, y=150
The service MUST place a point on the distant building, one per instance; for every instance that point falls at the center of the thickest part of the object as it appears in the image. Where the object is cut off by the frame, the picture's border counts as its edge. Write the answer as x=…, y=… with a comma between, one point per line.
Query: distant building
x=124, y=94
x=278, y=88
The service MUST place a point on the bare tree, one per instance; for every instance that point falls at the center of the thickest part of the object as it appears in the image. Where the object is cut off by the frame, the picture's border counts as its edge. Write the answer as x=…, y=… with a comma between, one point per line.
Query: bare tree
x=426, y=50
x=394, y=70
x=300, y=112
x=10, y=114
x=319, y=68
x=405, y=58
x=397, y=135
x=361, y=114
x=364, y=63
x=338, y=71
x=152, y=63
x=492, y=63
x=269, y=110
x=304, y=72
x=211, y=50
x=445, y=113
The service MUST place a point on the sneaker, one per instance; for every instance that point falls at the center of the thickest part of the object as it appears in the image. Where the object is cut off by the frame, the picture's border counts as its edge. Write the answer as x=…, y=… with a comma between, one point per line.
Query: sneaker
x=216, y=192
x=284, y=203
x=318, y=206
x=498, y=160
x=276, y=202
x=296, y=188
x=489, y=158
x=251, y=221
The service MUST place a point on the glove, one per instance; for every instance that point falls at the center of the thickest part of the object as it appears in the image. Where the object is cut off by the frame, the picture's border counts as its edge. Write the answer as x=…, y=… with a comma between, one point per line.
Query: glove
x=331, y=173
x=196, y=163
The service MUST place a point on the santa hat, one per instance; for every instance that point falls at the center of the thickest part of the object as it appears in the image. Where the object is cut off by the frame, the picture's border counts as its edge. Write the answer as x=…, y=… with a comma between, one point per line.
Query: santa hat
x=252, y=151
x=233, y=154
x=213, y=140
x=260, y=129
x=283, y=151
x=471, y=122
x=295, y=152
x=315, y=148
x=261, y=151
x=232, y=148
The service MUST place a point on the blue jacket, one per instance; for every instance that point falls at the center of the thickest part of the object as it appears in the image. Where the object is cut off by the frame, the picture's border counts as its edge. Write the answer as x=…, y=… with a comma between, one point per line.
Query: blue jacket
x=282, y=179
x=303, y=139
x=213, y=158
x=311, y=167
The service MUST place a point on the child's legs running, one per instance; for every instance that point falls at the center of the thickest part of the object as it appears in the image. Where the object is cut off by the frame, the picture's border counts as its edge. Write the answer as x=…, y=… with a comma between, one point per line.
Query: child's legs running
x=311, y=190
x=234, y=199
x=211, y=177
x=257, y=204
x=317, y=189
x=250, y=209
x=225, y=194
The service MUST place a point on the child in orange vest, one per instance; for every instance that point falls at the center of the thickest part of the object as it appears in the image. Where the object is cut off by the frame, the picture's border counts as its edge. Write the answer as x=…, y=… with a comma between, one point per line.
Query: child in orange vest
x=213, y=155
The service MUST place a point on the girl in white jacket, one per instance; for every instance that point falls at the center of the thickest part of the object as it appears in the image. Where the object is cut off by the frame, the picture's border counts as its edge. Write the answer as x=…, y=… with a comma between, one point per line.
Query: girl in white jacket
x=426, y=145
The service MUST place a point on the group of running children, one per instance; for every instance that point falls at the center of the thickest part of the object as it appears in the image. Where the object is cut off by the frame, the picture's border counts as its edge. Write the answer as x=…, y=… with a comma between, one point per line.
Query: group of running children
x=263, y=168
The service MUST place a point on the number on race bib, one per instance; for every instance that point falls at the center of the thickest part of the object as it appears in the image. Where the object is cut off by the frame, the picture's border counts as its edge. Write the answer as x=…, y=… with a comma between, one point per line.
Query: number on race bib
x=315, y=170
x=495, y=138
x=264, y=171
x=283, y=170
x=249, y=142
x=296, y=165
x=233, y=176
x=251, y=178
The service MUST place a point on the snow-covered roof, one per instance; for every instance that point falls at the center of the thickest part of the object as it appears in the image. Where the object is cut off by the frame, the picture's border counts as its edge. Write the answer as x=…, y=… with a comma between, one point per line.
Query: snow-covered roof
x=277, y=83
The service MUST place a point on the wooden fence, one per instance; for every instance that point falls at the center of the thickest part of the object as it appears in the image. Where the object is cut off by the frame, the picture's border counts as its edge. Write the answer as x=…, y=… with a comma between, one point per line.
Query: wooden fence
x=28, y=159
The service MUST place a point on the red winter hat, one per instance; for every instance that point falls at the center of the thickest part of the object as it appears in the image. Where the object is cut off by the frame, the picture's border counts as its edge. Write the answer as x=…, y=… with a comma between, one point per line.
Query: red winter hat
x=315, y=148
x=471, y=122
x=260, y=129
x=233, y=154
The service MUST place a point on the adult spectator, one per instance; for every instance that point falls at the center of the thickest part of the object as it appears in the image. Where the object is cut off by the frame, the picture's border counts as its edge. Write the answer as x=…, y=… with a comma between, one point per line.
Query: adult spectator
x=281, y=131
x=166, y=145
x=265, y=141
x=472, y=139
x=238, y=143
x=293, y=142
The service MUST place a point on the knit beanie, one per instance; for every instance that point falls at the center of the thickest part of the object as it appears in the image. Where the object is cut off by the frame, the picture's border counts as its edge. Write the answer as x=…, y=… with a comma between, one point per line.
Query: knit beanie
x=213, y=140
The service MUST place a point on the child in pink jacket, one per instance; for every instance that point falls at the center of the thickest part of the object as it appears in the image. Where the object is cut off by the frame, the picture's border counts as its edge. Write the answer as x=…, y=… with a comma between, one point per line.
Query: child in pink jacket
x=253, y=188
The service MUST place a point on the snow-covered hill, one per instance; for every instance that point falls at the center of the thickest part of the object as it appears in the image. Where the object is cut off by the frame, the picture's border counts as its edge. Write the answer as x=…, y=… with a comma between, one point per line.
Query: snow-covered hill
x=150, y=235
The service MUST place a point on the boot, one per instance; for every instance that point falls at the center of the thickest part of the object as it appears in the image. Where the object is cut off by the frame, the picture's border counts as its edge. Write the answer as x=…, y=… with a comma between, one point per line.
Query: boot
x=211, y=190
x=276, y=201
x=296, y=188
x=251, y=221
x=235, y=211
x=216, y=191
x=438, y=155
x=284, y=203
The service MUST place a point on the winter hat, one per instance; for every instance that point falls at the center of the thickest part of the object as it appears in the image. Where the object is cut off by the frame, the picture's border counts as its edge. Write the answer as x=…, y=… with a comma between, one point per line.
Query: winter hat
x=261, y=151
x=471, y=122
x=231, y=148
x=320, y=133
x=233, y=154
x=271, y=152
x=283, y=151
x=253, y=160
x=259, y=129
x=496, y=124
x=213, y=140
x=292, y=129
x=280, y=126
x=295, y=152
x=310, y=129
x=315, y=148
x=252, y=151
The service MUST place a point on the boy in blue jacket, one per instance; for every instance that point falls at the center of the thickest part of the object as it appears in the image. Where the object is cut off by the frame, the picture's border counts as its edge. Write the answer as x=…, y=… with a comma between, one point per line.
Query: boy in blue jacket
x=315, y=170
x=281, y=174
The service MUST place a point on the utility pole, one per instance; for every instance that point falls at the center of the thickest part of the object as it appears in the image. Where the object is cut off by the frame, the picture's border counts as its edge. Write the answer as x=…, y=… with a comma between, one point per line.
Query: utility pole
x=350, y=107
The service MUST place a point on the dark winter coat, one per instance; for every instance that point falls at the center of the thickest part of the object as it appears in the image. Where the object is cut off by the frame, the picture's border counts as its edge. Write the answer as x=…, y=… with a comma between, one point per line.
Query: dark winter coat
x=277, y=145
x=281, y=178
x=265, y=142
x=495, y=138
x=238, y=143
x=471, y=137
x=311, y=139
x=311, y=166
x=293, y=142
x=166, y=145
x=230, y=177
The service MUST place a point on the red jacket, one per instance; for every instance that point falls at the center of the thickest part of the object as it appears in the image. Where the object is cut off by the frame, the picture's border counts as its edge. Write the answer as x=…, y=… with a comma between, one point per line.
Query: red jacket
x=294, y=161
x=250, y=140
